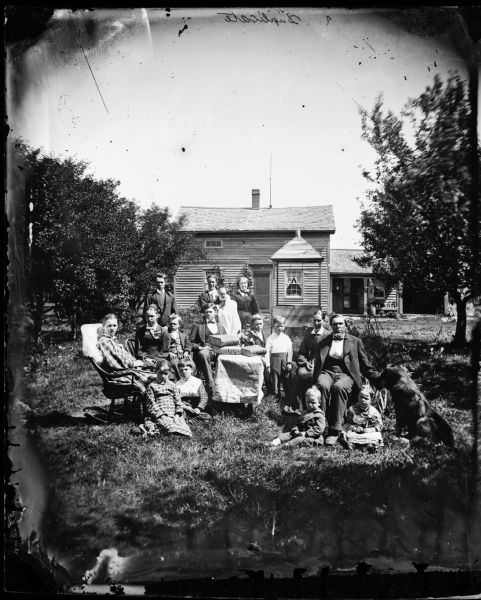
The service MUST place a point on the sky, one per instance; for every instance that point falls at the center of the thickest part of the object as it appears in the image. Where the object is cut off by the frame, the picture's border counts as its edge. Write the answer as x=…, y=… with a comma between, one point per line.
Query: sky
x=196, y=107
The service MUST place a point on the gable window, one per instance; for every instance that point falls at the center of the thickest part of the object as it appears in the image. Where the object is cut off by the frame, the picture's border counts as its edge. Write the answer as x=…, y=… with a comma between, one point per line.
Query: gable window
x=213, y=244
x=294, y=283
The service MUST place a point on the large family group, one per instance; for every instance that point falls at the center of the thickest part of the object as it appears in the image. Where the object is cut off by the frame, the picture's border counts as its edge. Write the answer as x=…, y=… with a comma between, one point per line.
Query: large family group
x=325, y=386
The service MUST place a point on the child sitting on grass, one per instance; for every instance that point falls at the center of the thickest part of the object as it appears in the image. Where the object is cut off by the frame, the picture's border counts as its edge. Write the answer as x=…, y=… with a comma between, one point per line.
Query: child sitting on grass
x=278, y=355
x=192, y=391
x=363, y=425
x=309, y=426
x=164, y=405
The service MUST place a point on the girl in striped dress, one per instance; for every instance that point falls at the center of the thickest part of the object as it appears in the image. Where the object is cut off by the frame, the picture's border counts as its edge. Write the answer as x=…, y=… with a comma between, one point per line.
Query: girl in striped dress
x=164, y=405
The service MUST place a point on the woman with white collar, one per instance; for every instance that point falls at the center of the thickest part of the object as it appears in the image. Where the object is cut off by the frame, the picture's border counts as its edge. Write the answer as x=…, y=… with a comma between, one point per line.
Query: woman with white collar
x=227, y=314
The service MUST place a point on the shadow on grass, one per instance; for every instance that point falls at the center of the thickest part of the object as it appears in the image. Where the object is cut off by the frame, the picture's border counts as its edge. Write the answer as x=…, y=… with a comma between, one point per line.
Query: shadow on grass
x=56, y=419
x=94, y=415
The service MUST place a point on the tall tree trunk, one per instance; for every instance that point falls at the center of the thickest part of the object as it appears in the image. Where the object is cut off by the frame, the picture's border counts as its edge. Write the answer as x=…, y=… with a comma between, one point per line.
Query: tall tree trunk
x=473, y=66
x=73, y=326
x=475, y=396
x=37, y=315
x=461, y=321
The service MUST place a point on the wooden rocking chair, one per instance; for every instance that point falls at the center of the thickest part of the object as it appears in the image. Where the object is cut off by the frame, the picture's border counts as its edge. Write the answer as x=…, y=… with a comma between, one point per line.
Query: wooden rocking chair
x=112, y=388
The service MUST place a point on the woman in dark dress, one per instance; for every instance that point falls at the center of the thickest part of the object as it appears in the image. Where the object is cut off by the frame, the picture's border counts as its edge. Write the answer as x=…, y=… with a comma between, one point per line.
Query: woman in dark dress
x=246, y=303
x=148, y=337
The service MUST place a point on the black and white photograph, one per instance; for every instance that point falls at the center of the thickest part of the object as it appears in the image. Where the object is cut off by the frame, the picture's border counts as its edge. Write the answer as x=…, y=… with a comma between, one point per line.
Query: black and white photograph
x=243, y=302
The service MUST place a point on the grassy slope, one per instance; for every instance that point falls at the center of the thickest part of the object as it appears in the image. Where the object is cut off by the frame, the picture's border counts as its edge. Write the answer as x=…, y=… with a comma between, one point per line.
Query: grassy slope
x=109, y=486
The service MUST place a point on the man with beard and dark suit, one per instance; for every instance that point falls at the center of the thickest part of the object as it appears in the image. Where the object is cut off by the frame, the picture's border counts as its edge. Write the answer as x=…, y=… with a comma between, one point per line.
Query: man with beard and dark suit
x=202, y=351
x=164, y=300
x=341, y=361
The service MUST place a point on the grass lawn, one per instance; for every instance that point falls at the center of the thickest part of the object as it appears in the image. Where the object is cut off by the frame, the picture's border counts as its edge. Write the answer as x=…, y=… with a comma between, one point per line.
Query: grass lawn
x=108, y=488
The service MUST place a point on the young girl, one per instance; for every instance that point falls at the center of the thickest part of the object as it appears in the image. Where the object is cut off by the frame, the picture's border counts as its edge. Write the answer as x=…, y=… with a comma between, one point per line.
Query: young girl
x=278, y=355
x=363, y=424
x=164, y=405
x=227, y=314
x=309, y=426
x=192, y=391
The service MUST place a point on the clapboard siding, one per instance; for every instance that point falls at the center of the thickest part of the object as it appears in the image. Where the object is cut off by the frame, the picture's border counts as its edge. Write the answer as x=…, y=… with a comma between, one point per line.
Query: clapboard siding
x=188, y=284
x=190, y=280
x=310, y=284
x=391, y=297
x=256, y=248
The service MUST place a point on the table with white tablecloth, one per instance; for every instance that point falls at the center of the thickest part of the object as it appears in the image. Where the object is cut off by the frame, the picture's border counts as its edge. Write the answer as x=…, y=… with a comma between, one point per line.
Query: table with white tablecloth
x=239, y=379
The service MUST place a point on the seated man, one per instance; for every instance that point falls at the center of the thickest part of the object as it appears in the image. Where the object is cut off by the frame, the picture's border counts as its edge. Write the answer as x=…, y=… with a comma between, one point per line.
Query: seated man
x=341, y=360
x=303, y=376
x=202, y=351
x=174, y=344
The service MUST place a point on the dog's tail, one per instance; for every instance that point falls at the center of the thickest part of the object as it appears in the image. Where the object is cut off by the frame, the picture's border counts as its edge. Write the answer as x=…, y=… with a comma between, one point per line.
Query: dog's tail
x=445, y=432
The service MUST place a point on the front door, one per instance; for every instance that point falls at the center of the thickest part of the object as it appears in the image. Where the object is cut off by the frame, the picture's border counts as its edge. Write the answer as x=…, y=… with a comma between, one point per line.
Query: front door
x=262, y=288
x=338, y=295
x=348, y=295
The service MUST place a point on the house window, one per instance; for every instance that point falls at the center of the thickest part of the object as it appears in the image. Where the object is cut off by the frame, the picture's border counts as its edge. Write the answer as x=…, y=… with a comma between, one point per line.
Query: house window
x=213, y=244
x=294, y=283
x=379, y=291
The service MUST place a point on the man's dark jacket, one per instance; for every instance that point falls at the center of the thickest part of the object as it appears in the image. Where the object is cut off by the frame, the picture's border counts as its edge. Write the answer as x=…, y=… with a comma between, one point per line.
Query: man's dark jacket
x=355, y=359
x=166, y=305
x=200, y=333
x=165, y=341
x=308, y=347
x=204, y=300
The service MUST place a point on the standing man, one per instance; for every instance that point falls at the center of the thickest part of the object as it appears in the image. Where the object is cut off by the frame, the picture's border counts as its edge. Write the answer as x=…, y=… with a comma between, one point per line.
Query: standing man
x=164, y=300
x=202, y=351
x=210, y=294
x=303, y=377
x=341, y=361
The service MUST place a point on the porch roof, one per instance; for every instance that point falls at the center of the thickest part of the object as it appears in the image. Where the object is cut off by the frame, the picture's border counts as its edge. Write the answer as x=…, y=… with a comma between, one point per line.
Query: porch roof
x=342, y=261
x=297, y=249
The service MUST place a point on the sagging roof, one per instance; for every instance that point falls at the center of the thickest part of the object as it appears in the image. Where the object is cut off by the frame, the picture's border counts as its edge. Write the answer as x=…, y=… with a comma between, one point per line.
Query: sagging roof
x=342, y=261
x=306, y=218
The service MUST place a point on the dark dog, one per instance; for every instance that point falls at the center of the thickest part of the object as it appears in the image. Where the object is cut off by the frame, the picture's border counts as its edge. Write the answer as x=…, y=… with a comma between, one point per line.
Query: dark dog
x=412, y=409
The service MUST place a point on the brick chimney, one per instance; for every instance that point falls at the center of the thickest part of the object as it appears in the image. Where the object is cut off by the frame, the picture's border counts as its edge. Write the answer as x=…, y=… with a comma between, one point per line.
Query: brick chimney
x=256, y=199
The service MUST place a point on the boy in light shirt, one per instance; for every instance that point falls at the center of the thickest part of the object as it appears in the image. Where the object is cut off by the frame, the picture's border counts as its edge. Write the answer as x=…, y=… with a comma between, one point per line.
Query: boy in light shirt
x=278, y=355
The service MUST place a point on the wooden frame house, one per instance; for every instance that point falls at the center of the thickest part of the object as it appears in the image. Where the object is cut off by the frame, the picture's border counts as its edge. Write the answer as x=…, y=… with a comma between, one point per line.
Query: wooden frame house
x=285, y=249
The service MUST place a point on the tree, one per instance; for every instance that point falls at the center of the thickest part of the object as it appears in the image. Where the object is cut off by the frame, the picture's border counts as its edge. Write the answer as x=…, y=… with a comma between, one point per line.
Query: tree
x=415, y=225
x=163, y=245
x=81, y=239
x=89, y=250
